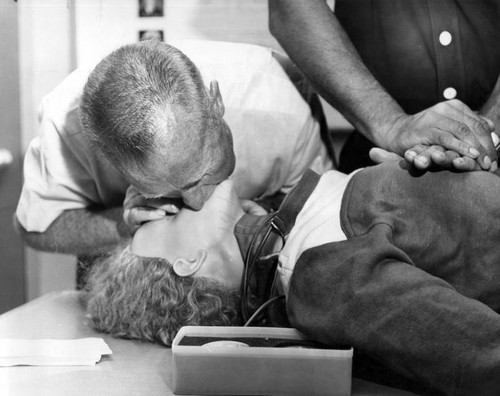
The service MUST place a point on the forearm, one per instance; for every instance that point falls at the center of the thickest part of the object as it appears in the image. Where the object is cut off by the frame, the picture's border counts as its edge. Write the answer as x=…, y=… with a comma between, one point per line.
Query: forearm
x=312, y=36
x=85, y=231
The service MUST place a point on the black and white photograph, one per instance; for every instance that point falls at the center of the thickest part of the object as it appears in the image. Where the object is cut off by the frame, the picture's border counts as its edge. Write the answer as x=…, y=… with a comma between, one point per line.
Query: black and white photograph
x=151, y=35
x=259, y=197
x=151, y=8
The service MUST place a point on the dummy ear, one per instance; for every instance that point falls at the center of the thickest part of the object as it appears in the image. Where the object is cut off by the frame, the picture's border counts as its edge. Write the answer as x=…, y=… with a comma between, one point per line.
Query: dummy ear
x=216, y=97
x=188, y=267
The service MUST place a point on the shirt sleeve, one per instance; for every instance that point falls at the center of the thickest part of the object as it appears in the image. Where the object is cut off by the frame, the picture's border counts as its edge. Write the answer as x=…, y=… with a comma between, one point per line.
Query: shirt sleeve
x=310, y=153
x=56, y=175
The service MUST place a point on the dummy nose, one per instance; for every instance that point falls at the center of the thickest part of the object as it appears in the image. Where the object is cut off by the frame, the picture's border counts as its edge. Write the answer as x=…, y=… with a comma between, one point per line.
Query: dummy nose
x=196, y=199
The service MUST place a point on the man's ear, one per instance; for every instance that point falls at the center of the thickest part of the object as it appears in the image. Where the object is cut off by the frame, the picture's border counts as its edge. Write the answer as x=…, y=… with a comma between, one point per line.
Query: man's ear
x=216, y=98
x=188, y=267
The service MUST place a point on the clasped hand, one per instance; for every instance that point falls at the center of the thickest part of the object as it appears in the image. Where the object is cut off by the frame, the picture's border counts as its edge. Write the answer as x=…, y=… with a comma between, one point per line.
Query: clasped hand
x=448, y=134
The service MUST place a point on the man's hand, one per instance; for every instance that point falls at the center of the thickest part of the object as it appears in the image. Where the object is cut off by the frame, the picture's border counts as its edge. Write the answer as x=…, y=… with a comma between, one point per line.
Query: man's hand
x=379, y=155
x=440, y=157
x=447, y=134
x=138, y=210
x=252, y=207
x=422, y=157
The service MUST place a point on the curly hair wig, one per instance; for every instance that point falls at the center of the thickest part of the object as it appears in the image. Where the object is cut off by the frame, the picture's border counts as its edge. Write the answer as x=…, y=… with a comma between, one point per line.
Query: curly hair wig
x=143, y=298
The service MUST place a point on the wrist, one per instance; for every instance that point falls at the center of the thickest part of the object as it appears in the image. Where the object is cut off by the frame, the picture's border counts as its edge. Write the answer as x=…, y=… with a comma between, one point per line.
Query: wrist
x=388, y=134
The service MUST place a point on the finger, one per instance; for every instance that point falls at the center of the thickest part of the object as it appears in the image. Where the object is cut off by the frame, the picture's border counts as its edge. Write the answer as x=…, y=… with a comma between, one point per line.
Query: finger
x=491, y=124
x=447, y=138
x=445, y=158
x=477, y=123
x=161, y=203
x=379, y=155
x=132, y=197
x=413, y=152
x=478, y=134
x=438, y=156
x=421, y=155
x=434, y=155
x=140, y=215
x=481, y=129
x=252, y=207
x=170, y=208
x=465, y=114
x=457, y=119
x=466, y=164
x=496, y=140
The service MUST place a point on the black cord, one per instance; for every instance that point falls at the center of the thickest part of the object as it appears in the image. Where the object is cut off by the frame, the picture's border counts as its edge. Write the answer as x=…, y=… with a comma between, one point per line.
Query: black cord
x=250, y=263
x=262, y=307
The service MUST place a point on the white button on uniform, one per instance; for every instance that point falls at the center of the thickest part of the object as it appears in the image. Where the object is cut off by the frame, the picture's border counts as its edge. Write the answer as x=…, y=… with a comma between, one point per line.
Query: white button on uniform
x=445, y=38
x=450, y=93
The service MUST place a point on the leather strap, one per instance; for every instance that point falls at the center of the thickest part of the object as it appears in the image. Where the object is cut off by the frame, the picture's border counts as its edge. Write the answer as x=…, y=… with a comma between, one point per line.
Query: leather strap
x=259, y=280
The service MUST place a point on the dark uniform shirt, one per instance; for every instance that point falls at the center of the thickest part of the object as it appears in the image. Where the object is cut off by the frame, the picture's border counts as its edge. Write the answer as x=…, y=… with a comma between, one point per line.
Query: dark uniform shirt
x=426, y=51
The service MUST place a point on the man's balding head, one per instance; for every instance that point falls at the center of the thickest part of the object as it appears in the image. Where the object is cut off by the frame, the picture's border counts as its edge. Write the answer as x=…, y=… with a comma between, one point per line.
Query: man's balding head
x=146, y=108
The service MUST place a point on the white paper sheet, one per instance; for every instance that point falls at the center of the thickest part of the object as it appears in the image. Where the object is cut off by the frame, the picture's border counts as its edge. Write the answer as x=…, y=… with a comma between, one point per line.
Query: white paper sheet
x=50, y=352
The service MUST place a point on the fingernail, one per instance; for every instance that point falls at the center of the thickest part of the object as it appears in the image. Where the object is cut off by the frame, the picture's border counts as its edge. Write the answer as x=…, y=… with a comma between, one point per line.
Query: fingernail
x=411, y=154
x=487, y=162
x=474, y=152
x=494, y=166
x=495, y=139
x=422, y=161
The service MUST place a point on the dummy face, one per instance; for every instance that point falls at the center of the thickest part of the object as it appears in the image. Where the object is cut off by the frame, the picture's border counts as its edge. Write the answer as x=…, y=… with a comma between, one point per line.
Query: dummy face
x=168, y=177
x=198, y=243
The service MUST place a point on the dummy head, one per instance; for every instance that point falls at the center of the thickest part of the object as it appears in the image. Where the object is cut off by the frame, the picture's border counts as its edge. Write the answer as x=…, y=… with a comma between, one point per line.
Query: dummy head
x=183, y=270
x=146, y=108
x=198, y=244
x=143, y=298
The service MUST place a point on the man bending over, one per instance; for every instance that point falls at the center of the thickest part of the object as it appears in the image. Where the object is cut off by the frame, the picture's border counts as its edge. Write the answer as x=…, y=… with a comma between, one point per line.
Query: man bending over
x=155, y=124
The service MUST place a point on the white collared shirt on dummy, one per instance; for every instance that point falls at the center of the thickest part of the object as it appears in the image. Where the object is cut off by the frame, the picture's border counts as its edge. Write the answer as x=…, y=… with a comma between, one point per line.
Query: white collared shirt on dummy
x=275, y=136
x=317, y=223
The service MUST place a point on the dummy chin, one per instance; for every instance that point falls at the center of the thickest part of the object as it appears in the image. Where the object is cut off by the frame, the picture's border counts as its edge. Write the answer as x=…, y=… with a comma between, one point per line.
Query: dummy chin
x=142, y=298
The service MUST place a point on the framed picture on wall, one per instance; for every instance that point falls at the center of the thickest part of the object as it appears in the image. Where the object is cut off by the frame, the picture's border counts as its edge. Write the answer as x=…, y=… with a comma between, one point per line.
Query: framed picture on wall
x=151, y=35
x=151, y=8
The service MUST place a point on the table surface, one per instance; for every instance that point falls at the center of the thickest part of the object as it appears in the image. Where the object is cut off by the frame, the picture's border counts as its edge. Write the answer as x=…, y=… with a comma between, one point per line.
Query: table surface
x=134, y=368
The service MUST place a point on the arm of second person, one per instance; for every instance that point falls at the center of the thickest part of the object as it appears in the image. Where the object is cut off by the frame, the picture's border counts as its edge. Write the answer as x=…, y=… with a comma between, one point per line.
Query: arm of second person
x=315, y=40
x=79, y=231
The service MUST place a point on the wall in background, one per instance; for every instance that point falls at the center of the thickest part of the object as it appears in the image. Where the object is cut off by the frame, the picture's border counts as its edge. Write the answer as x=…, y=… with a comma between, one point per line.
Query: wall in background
x=103, y=25
x=46, y=57
x=11, y=251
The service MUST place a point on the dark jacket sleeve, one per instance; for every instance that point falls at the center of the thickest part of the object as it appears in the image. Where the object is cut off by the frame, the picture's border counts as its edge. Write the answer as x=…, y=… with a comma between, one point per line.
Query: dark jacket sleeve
x=366, y=293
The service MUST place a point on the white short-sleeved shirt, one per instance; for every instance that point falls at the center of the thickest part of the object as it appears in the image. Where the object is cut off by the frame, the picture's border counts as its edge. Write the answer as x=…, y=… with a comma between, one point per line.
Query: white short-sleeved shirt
x=275, y=136
x=317, y=223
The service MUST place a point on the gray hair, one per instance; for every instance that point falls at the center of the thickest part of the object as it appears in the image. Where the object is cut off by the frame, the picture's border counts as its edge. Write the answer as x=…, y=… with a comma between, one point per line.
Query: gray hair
x=143, y=98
